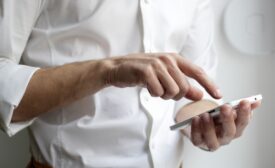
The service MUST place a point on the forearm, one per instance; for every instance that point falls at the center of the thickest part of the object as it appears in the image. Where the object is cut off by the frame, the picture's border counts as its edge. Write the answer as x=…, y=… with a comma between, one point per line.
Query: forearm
x=162, y=74
x=51, y=88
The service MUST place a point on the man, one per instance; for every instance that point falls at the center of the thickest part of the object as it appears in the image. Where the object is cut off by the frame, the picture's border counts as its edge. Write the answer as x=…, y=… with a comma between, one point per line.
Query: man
x=97, y=80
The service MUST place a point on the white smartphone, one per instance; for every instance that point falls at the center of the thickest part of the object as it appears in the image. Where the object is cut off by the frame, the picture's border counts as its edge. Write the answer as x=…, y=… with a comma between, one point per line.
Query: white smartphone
x=216, y=111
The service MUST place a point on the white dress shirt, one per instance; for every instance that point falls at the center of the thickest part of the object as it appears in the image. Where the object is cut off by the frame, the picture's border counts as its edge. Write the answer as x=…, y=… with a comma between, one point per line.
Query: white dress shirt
x=114, y=127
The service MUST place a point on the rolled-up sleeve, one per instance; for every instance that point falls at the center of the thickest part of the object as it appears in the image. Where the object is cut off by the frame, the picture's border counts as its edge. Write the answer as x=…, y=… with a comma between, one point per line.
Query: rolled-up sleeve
x=17, y=19
x=199, y=46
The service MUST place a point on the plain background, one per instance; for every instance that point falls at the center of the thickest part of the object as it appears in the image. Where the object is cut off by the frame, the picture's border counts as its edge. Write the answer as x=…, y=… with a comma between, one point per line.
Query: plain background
x=239, y=75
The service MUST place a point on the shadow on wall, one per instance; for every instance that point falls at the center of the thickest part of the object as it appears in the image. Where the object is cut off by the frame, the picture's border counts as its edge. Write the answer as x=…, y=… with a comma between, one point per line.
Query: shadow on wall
x=249, y=26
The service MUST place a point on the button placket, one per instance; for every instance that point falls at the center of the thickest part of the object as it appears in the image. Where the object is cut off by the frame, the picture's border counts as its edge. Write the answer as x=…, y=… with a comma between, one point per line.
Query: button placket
x=146, y=102
x=147, y=24
x=145, y=99
x=145, y=6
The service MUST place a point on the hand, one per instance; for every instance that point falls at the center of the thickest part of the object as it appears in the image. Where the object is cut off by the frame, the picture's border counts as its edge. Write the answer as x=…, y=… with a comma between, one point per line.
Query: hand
x=164, y=75
x=210, y=133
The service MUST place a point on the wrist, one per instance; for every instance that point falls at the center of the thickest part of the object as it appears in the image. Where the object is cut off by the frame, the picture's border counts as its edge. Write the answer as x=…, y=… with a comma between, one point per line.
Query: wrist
x=105, y=68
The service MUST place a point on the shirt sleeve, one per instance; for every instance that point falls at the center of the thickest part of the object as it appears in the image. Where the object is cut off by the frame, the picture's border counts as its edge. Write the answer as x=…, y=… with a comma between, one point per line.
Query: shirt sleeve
x=199, y=47
x=17, y=18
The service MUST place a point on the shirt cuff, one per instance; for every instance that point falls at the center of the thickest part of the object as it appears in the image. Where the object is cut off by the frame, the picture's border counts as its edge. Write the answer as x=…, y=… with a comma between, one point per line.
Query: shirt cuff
x=14, y=80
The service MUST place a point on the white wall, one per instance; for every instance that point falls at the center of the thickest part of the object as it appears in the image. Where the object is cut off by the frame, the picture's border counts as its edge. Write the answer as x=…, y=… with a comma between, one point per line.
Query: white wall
x=240, y=76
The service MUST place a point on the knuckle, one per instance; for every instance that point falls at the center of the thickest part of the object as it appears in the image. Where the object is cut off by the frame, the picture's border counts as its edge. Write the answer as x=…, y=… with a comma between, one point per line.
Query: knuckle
x=185, y=89
x=173, y=91
x=159, y=92
x=167, y=58
x=162, y=56
x=147, y=71
x=156, y=63
x=199, y=71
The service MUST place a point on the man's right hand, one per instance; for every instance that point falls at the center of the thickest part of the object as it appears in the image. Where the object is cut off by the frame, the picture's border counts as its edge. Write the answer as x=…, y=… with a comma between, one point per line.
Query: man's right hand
x=164, y=74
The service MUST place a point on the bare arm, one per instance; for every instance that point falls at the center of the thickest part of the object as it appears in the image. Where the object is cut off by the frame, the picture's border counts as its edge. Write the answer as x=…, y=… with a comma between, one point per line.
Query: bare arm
x=54, y=87
x=163, y=74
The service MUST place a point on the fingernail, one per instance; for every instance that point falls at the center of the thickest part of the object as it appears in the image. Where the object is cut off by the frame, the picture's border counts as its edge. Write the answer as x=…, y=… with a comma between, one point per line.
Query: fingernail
x=206, y=118
x=218, y=93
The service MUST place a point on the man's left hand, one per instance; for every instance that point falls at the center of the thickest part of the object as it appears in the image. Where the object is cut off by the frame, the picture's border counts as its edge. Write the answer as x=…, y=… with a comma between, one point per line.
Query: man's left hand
x=211, y=133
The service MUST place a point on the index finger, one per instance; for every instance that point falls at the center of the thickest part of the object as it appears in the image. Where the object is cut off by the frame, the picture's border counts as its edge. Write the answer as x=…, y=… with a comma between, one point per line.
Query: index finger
x=197, y=73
